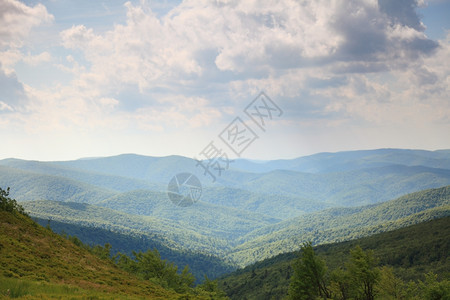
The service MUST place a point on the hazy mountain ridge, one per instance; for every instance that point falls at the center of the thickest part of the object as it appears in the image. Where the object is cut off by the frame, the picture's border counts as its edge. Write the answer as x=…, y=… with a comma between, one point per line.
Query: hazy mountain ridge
x=350, y=160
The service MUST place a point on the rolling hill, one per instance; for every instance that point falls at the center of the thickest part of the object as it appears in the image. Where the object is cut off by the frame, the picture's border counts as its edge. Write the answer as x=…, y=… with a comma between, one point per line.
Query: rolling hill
x=332, y=225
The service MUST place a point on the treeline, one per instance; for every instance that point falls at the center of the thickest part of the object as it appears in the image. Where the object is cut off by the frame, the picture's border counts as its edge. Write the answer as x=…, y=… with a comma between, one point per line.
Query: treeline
x=359, y=278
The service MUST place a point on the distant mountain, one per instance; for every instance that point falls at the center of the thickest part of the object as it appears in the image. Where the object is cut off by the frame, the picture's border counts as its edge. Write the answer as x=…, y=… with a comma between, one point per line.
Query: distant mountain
x=340, y=179
x=347, y=188
x=150, y=169
x=107, y=181
x=26, y=186
x=350, y=160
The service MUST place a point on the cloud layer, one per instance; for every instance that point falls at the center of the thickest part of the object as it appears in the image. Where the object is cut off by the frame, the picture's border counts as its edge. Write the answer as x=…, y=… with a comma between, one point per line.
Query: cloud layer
x=346, y=64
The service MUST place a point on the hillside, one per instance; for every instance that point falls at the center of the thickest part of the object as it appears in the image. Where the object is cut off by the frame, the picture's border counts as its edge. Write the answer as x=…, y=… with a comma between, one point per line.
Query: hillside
x=37, y=256
x=173, y=234
x=200, y=264
x=413, y=251
x=339, y=224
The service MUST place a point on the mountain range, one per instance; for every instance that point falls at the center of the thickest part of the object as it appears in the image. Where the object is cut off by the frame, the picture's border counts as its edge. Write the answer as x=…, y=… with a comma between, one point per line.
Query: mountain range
x=254, y=210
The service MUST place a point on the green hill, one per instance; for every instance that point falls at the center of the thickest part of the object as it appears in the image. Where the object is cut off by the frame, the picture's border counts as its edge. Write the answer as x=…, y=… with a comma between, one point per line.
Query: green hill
x=265, y=239
x=413, y=251
x=245, y=216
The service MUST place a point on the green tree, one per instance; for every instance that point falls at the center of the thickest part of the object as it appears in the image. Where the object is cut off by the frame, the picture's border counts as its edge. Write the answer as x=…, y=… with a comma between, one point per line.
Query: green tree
x=186, y=277
x=8, y=204
x=341, y=284
x=364, y=273
x=212, y=287
x=389, y=286
x=434, y=289
x=308, y=281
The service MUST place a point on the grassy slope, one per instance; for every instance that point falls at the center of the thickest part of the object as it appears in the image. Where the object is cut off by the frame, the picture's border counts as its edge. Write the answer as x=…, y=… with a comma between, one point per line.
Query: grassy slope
x=38, y=256
x=412, y=251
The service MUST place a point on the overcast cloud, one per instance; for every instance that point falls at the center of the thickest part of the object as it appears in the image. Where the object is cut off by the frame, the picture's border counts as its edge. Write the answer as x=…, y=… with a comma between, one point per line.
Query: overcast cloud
x=166, y=79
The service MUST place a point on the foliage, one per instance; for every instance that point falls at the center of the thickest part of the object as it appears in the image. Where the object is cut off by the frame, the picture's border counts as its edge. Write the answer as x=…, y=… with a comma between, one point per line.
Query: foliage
x=149, y=265
x=308, y=281
x=409, y=253
x=212, y=287
x=8, y=204
x=361, y=279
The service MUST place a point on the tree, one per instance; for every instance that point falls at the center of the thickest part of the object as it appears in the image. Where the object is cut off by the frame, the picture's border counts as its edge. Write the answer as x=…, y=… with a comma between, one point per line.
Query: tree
x=8, y=204
x=364, y=273
x=212, y=287
x=308, y=280
x=341, y=284
x=389, y=286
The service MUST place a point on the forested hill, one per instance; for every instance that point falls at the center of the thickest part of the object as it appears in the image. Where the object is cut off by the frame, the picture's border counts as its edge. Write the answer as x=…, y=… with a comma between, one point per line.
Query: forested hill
x=412, y=251
x=340, y=224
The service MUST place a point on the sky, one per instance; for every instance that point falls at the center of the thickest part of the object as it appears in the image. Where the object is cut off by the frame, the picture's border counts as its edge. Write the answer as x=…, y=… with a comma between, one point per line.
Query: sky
x=90, y=78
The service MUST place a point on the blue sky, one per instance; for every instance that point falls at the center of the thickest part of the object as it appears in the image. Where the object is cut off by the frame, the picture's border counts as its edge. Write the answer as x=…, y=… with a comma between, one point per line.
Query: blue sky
x=92, y=78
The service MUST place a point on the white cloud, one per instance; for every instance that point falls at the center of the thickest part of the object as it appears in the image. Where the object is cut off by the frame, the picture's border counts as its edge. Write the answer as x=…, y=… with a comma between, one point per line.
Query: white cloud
x=35, y=60
x=17, y=20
